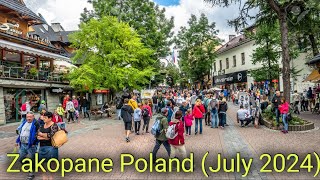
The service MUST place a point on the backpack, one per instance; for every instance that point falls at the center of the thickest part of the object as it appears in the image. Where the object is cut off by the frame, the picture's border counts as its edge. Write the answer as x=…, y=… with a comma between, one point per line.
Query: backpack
x=156, y=127
x=213, y=104
x=24, y=107
x=309, y=94
x=119, y=104
x=171, y=132
x=145, y=112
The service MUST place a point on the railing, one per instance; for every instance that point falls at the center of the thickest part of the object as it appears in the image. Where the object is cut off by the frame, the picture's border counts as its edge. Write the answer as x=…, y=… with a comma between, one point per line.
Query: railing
x=21, y=73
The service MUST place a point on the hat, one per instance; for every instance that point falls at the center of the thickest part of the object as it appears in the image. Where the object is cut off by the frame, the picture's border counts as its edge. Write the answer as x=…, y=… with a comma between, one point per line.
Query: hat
x=43, y=102
x=183, y=101
x=164, y=110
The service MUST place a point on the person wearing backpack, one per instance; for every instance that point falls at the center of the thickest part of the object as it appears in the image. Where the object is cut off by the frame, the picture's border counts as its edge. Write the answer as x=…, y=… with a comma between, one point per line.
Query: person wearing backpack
x=119, y=104
x=160, y=134
x=126, y=115
x=177, y=142
x=213, y=107
x=146, y=116
x=207, y=101
x=198, y=112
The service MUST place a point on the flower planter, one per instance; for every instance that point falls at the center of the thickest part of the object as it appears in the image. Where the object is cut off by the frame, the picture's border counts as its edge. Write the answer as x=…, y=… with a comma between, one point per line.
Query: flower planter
x=305, y=127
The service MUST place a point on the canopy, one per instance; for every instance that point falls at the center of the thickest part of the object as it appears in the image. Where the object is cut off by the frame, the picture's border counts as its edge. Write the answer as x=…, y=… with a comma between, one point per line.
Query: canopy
x=314, y=76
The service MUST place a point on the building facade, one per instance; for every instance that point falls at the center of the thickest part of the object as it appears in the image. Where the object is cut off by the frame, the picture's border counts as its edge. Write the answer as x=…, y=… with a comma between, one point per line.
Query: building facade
x=232, y=67
x=27, y=63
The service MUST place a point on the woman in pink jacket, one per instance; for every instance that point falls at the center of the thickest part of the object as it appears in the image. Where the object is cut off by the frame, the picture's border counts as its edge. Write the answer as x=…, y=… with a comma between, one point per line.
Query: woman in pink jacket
x=146, y=116
x=284, y=110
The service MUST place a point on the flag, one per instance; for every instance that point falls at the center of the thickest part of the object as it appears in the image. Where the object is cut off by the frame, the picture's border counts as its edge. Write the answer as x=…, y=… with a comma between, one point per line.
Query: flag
x=173, y=57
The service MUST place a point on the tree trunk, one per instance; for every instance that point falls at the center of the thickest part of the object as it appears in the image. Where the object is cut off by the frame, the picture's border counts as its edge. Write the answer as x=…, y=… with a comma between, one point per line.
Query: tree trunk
x=285, y=55
x=314, y=45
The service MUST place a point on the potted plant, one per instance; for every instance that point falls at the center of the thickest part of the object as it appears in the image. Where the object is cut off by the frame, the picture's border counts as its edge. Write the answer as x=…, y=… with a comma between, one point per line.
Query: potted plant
x=33, y=72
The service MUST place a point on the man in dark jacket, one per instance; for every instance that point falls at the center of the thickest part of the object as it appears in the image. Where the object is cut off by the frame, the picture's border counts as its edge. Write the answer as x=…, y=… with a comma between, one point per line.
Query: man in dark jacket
x=126, y=115
x=162, y=139
x=276, y=100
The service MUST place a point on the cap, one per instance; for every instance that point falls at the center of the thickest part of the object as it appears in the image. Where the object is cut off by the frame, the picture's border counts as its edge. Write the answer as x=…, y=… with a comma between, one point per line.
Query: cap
x=43, y=102
x=164, y=110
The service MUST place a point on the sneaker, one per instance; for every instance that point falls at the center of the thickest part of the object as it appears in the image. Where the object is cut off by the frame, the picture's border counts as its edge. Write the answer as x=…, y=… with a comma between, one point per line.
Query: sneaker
x=137, y=133
x=127, y=139
x=147, y=132
x=195, y=133
x=30, y=176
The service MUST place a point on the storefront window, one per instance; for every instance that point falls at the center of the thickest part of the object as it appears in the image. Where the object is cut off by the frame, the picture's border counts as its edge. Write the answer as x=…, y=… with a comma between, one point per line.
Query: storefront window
x=14, y=98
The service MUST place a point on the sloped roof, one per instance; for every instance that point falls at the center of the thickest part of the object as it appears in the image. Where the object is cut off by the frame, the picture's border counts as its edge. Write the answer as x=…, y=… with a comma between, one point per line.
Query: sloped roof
x=236, y=41
x=51, y=34
x=22, y=9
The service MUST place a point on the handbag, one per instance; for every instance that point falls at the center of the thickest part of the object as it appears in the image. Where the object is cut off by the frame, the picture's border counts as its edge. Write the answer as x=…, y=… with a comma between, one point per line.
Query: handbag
x=59, y=138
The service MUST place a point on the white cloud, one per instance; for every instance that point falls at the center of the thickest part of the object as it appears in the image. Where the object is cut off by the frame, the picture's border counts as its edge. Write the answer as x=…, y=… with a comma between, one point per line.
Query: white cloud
x=66, y=12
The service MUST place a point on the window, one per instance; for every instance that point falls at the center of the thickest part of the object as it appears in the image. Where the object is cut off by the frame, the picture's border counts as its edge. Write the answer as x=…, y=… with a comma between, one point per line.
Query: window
x=234, y=61
x=243, y=59
x=220, y=65
x=227, y=63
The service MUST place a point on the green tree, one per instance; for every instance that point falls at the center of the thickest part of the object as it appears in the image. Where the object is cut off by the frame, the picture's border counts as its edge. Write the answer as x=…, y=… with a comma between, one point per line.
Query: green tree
x=196, y=45
x=144, y=16
x=279, y=10
x=113, y=56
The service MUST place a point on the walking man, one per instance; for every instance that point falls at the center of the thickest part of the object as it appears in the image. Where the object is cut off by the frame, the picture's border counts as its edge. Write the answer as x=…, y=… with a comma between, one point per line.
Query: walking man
x=126, y=115
x=162, y=139
x=276, y=101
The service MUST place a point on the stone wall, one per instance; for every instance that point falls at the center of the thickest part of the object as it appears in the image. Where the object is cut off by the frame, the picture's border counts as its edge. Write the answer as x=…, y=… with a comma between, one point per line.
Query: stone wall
x=2, y=109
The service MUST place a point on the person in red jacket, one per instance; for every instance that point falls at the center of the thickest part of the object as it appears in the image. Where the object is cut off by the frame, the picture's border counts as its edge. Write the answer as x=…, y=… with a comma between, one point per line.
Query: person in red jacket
x=197, y=113
x=284, y=110
x=177, y=144
x=146, y=117
x=56, y=118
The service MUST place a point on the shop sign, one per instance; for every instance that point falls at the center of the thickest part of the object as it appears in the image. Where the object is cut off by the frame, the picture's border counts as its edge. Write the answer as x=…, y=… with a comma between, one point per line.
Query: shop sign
x=102, y=91
x=237, y=77
x=10, y=28
x=34, y=37
x=56, y=90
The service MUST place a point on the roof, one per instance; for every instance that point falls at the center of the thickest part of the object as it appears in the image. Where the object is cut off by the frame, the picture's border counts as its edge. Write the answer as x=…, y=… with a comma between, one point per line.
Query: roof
x=22, y=9
x=53, y=36
x=235, y=42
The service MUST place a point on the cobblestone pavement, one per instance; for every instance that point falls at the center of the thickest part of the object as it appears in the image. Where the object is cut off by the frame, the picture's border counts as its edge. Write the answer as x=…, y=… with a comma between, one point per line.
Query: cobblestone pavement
x=105, y=139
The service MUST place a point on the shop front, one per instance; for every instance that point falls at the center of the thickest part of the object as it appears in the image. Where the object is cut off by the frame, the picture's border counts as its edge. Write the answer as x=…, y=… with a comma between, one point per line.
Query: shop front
x=233, y=81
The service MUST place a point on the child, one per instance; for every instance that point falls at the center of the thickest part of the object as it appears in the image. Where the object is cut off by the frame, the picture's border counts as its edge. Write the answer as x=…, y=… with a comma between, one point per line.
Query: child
x=60, y=111
x=137, y=119
x=188, y=118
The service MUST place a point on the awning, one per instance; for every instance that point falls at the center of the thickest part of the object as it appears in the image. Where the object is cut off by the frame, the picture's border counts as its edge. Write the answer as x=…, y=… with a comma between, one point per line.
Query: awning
x=314, y=76
x=30, y=50
x=64, y=64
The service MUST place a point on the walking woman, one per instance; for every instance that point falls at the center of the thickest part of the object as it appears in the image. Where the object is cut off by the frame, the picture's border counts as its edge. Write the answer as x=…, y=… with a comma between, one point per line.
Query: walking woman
x=146, y=116
x=198, y=112
x=223, y=107
x=177, y=144
x=284, y=110
x=46, y=132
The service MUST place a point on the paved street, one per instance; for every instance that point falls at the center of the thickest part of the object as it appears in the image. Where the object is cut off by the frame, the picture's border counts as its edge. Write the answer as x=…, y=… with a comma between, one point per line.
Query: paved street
x=105, y=138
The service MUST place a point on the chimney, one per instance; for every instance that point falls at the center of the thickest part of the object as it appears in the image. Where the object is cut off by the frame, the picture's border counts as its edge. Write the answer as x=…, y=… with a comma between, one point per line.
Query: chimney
x=231, y=37
x=57, y=27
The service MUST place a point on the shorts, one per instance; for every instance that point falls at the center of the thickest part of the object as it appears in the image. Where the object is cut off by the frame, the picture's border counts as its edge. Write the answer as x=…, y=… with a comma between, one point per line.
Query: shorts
x=127, y=126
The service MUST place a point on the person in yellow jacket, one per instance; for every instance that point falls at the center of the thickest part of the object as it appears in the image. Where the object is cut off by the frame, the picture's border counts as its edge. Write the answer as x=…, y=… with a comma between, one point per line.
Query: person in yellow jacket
x=60, y=111
x=133, y=102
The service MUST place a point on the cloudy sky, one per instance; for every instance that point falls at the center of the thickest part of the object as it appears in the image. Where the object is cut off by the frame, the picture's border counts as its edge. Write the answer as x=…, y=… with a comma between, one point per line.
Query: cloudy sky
x=68, y=12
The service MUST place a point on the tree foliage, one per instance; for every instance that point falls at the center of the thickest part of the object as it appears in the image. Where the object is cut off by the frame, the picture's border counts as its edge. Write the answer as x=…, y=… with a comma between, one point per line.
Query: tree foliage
x=196, y=45
x=113, y=56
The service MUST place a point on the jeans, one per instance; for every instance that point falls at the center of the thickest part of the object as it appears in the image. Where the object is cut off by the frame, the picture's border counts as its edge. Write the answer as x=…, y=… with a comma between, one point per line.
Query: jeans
x=207, y=118
x=188, y=130
x=277, y=115
x=70, y=116
x=25, y=151
x=285, y=121
x=146, y=121
x=119, y=113
x=222, y=119
x=157, y=147
x=198, y=120
x=48, y=152
x=248, y=120
x=214, y=119
x=137, y=125
x=85, y=112
x=155, y=108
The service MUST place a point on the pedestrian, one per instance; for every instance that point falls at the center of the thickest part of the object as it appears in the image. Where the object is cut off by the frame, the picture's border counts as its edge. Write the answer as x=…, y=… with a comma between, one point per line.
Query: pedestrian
x=27, y=139
x=76, y=106
x=207, y=101
x=284, y=110
x=188, y=118
x=184, y=108
x=85, y=106
x=56, y=118
x=133, y=102
x=296, y=99
x=310, y=99
x=223, y=107
x=177, y=144
x=243, y=115
x=65, y=101
x=137, y=116
x=170, y=110
x=146, y=116
x=276, y=102
x=25, y=108
x=46, y=132
x=155, y=103
x=70, y=110
x=213, y=108
x=193, y=99
x=126, y=115
x=198, y=112
x=161, y=138
x=42, y=106
x=60, y=111
x=119, y=104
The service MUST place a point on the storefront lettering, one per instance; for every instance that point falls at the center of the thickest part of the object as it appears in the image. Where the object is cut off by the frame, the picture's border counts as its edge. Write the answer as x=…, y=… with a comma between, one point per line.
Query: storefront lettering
x=237, y=77
x=10, y=28
x=35, y=37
